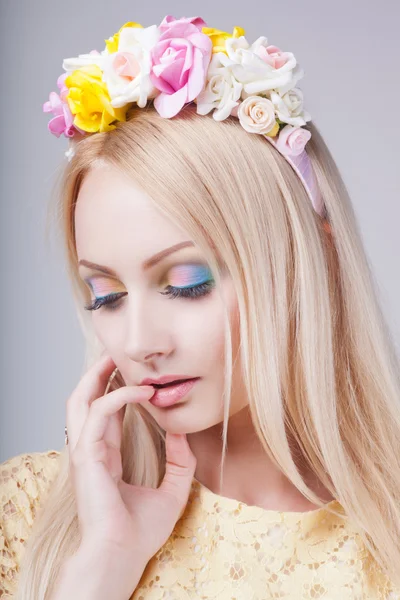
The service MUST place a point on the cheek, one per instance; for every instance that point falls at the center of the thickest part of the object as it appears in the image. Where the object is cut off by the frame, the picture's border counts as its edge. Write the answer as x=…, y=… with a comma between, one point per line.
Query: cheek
x=197, y=328
x=211, y=330
x=109, y=333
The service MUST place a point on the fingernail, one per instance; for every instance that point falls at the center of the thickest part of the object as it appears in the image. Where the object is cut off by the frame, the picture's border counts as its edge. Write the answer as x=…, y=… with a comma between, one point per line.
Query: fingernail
x=146, y=388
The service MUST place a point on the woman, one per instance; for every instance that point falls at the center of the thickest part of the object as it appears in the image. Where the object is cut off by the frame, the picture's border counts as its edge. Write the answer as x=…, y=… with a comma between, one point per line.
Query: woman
x=206, y=254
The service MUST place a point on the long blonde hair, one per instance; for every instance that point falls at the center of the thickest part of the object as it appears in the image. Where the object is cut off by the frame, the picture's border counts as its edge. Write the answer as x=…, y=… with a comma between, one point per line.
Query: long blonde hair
x=318, y=360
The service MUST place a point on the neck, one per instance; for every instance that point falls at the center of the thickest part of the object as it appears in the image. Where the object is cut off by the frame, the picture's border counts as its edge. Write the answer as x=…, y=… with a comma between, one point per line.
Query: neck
x=250, y=475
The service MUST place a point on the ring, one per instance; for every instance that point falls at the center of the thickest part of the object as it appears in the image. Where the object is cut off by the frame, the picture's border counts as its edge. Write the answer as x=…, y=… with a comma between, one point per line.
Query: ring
x=113, y=374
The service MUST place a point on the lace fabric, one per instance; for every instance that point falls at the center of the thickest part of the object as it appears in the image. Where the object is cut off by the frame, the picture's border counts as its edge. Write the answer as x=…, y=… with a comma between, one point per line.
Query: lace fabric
x=220, y=548
x=24, y=481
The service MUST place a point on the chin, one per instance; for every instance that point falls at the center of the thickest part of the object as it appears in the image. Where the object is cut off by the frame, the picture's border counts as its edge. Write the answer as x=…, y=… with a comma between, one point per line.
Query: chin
x=184, y=418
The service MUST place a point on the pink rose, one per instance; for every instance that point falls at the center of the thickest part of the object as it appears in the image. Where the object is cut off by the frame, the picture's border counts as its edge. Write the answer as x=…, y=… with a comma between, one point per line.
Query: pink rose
x=62, y=122
x=273, y=56
x=170, y=20
x=292, y=140
x=180, y=61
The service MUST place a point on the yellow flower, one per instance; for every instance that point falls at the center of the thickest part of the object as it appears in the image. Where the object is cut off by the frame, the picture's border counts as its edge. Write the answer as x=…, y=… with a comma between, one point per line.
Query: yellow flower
x=274, y=131
x=219, y=37
x=112, y=42
x=89, y=100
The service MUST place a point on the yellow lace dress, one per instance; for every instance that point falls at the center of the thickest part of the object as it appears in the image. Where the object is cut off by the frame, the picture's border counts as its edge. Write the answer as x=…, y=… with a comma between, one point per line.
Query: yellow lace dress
x=220, y=548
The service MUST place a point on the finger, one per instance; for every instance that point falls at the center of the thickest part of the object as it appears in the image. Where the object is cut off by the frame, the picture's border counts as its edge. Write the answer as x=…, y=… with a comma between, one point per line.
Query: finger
x=93, y=383
x=113, y=433
x=104, y=407
x=91, y=386
x=180, y=468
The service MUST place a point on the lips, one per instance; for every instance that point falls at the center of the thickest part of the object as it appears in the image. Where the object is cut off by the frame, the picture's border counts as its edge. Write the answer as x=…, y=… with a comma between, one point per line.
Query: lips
x=168, y=395
x=161, y=381
x=164, y=385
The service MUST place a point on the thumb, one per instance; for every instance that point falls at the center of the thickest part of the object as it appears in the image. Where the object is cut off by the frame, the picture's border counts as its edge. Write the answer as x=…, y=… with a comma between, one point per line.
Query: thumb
x=180, y=468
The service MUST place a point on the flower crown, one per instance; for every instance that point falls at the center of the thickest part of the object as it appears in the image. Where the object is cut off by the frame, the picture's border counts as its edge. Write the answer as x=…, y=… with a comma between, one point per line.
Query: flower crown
x=181, y=61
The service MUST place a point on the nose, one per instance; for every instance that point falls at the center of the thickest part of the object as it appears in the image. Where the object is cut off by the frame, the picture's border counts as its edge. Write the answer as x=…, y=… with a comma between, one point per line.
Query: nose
x=147, y=335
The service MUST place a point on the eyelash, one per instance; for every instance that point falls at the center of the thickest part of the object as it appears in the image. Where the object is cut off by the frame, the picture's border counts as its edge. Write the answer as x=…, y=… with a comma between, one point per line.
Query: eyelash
x=191, y=293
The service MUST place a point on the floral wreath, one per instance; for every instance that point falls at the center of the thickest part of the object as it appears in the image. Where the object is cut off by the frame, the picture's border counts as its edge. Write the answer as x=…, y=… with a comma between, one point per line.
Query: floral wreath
x=182, y=61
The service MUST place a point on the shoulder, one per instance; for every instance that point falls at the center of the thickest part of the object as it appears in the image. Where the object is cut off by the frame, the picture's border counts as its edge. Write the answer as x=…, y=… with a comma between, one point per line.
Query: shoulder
x=28, y=472
x=24, y=482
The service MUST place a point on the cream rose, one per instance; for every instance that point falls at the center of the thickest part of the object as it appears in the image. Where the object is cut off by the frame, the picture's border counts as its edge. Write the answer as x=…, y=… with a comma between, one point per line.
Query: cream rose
x=290, y=107
x=257, y=114
x=222, y=91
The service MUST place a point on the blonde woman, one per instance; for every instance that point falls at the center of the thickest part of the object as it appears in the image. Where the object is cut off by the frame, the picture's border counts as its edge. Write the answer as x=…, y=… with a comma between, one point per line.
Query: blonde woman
x=236, y=431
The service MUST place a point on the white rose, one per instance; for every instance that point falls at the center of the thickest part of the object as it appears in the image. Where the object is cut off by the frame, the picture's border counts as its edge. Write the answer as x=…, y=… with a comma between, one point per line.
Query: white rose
x=93, y=58
x=127, y=71
x=297, y=74
x=254, y=72
x=257, y=114
x=221, y=91
x=289, y=107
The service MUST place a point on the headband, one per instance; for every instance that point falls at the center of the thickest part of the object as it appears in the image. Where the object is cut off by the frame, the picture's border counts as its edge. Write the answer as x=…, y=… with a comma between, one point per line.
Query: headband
x=182, y=61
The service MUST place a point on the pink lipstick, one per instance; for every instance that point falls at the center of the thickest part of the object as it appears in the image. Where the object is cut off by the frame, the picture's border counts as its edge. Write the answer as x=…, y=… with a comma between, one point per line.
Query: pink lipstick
x=171, y=393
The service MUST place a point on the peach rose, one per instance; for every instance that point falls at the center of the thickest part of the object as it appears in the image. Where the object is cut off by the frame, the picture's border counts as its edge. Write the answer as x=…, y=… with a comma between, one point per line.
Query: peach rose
x=257, y=115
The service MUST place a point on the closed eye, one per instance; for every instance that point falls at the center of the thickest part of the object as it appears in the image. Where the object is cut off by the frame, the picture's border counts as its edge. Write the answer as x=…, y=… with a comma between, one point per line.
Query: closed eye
x=191, y=292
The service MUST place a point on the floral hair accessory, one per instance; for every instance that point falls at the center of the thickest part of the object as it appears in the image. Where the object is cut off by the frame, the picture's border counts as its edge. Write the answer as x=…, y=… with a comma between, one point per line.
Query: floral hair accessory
x=182, y=61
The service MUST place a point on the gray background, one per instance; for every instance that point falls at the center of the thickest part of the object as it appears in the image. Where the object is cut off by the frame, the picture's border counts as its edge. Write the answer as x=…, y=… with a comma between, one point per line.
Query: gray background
x=350, y=52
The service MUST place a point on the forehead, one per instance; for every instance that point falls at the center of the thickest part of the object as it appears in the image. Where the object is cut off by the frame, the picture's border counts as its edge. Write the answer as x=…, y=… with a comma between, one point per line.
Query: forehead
x=115, y=220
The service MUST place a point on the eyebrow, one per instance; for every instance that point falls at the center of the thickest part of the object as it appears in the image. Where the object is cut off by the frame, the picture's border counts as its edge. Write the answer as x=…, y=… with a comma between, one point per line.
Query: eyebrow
x=150, y=262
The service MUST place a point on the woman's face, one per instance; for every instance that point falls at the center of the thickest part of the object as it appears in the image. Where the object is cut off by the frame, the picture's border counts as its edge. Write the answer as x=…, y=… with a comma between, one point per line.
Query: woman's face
x=147, y=332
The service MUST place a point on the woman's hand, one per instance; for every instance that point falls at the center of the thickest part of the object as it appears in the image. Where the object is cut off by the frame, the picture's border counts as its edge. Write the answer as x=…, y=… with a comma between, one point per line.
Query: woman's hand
x=118, y=519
